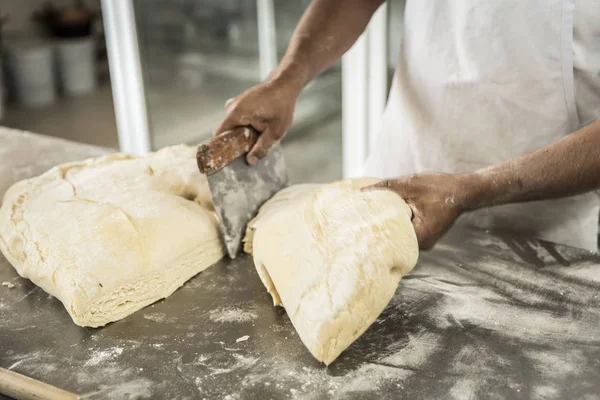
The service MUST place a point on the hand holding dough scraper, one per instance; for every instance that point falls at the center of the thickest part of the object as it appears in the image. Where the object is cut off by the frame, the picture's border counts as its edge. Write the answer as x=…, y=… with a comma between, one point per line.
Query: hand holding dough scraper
x=237, y=188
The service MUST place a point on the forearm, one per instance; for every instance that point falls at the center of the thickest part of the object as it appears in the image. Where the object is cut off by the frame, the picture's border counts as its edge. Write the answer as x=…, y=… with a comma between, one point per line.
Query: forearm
x=564, y=168
x=326, y=31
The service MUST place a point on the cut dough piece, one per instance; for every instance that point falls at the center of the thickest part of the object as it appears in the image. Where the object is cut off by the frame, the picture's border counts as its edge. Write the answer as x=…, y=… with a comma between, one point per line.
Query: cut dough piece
x=110, y=235
x=332, y=256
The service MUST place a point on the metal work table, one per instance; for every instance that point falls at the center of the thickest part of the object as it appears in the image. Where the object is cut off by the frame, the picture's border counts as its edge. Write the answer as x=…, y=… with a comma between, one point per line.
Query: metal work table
x=481, y=316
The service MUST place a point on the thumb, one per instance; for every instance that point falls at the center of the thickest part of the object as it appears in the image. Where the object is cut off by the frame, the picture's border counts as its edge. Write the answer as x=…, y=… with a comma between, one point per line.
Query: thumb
x=263, y=145
x=424, y=238
x=382, y=185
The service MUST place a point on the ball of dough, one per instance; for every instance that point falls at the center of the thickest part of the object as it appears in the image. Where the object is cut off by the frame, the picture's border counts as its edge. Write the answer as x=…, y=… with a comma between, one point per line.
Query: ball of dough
x=333, y=256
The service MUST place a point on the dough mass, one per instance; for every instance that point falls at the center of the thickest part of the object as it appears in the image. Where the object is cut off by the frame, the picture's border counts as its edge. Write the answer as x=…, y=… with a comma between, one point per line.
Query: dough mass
x=108, y=236
x=111, y=235
x=333, y=257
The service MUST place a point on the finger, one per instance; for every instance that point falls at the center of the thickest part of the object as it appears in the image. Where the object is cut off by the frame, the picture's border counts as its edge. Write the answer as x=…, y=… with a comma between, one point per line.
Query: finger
x=263, y=145
x=228, y=102
x=424, y=238
x=412, y=207
x=382, y=185
x=427, y=244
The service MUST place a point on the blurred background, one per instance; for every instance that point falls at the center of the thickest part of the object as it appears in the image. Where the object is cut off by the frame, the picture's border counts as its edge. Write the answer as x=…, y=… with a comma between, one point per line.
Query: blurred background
x=139, y=75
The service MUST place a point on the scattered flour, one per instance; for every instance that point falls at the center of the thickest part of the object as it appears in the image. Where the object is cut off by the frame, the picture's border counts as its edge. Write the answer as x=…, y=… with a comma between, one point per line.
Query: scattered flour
x=242, y=339
x=232, y=314
x=232, y=362
x=9, y=285
x=305, y=382
x=136, y=389
x=38, y=363
x=159, y=318
x=156, y=317
x=415, y=353
x=100, y=356
x=463, y=389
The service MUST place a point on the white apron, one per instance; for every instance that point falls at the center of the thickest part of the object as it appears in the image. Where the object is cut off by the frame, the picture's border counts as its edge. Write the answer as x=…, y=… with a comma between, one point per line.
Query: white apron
x=479, y=82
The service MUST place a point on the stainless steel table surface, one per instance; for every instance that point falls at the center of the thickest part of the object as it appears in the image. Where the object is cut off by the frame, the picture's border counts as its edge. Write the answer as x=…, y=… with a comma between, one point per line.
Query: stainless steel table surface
x=481, y=316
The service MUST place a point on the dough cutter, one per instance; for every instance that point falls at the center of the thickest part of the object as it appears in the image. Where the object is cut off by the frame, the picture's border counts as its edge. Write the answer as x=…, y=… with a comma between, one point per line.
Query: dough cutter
x=237, y=188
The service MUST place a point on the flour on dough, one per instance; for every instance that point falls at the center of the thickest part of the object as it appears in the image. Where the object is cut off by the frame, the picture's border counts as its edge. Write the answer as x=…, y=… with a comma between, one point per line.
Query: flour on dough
x=333, y=257
x=110, y=235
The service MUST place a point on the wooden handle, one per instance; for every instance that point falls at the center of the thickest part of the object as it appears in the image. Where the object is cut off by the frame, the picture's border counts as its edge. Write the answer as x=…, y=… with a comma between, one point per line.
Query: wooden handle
x=22, y=387
x=223, y=149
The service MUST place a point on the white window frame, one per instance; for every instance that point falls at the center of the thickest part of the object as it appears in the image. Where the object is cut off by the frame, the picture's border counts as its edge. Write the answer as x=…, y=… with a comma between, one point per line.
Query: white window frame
x=126, y=76
x=364, y=92
x=126, y=69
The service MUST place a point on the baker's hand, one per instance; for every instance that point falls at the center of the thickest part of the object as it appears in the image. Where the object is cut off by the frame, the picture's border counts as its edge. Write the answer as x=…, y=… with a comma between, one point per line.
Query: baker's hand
x=269, y=108
x=436, y=201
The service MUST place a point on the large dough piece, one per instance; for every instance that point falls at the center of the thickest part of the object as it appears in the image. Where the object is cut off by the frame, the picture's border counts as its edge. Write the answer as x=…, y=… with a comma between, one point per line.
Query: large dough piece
x=108, y=236
x=332, y=256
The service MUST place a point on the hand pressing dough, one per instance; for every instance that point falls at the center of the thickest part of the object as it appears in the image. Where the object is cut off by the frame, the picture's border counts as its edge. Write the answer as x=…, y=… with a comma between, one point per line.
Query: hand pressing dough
x=108, y=236
x=332, y=256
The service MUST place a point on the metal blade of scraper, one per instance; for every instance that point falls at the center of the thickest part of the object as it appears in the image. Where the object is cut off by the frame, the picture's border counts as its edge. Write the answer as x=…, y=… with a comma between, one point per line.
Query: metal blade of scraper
x=237, y=188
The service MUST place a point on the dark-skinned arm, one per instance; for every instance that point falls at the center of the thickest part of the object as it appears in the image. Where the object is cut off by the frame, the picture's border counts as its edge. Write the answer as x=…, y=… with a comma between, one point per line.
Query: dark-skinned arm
x=564, y=168
x=326, y=31
x=567, y=167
